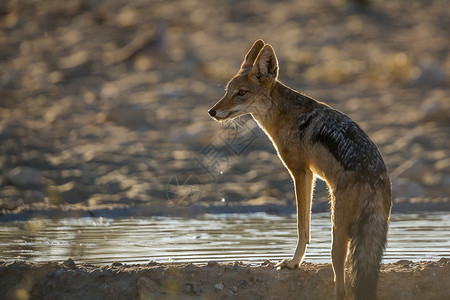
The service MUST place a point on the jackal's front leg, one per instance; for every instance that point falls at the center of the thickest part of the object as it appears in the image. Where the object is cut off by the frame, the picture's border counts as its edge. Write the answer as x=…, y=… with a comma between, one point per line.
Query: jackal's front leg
x=303, y=193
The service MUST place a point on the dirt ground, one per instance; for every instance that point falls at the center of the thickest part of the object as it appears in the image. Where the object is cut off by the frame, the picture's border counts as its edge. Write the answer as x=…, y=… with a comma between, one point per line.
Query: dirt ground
x=68, y=280
x=103, y=103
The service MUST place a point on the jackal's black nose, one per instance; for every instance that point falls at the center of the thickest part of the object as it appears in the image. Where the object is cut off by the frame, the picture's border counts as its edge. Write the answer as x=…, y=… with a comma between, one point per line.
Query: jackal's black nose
x=212, y=113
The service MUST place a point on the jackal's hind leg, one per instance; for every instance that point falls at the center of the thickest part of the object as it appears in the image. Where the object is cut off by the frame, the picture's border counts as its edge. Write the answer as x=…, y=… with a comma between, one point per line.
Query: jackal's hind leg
x=338, y=255
x=341, y=219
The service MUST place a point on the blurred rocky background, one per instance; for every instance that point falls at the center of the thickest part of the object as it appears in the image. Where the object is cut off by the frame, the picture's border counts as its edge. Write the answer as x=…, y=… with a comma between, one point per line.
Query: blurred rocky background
x=103, y=103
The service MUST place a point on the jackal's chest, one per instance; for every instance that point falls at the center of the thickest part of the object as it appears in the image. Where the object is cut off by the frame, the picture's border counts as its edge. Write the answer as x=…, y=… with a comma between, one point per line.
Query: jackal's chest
x=286, y=143
x=291, y=152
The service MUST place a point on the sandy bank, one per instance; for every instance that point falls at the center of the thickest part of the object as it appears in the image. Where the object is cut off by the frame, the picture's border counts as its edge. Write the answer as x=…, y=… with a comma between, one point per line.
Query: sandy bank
x=68, y=280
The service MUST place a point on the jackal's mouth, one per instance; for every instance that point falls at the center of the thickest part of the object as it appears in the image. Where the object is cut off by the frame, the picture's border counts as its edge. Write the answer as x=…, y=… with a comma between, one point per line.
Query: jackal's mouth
x=225, y=117
x=216, y=116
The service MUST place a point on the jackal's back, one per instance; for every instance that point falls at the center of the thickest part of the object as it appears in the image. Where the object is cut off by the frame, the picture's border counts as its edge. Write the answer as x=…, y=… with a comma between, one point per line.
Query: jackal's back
x=349, y=145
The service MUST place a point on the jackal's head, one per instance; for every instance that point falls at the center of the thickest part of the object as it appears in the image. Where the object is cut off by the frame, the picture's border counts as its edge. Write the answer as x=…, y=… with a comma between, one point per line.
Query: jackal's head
x=249, y=90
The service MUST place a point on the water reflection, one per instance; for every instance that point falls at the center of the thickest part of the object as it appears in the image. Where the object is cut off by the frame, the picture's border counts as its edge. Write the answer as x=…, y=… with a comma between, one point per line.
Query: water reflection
x=251, y=238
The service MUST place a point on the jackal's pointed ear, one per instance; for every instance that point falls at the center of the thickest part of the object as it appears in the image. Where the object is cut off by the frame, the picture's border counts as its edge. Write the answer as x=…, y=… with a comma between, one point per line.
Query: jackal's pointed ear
x=252, y=54
x=266, y=64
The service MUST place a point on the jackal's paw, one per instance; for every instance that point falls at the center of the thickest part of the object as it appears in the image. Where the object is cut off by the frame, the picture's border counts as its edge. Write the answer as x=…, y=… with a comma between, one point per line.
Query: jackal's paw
x=287, y=263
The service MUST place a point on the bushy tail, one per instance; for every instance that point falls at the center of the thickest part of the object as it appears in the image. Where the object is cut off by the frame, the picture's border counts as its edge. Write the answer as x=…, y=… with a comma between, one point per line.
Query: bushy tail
x=368, y=240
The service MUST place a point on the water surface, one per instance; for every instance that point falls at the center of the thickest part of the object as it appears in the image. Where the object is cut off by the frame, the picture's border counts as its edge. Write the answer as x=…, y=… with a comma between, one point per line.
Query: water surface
x=250, y=238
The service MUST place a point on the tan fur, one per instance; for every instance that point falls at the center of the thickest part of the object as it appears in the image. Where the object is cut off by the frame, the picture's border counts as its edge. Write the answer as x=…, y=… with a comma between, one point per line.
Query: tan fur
x=279, y=110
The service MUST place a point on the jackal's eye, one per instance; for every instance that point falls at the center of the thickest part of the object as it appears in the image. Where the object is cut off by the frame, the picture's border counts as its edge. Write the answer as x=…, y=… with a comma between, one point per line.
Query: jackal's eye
x=242, y=93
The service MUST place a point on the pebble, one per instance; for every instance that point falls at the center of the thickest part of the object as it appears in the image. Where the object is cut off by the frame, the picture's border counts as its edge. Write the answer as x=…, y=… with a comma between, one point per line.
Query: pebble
x=266, y=263
x=212, y=263
x=69, y=263
x=404, y=262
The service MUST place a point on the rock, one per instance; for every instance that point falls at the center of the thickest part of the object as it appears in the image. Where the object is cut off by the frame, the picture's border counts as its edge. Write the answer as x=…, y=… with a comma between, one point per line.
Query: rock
x=131, y=116
x=443, y=165
x=411, y=169
x=445, y=181
x=266, y=263
x=69, y=263
x=10, y=204
x=436, y=107
x=10, y=198
x=10, y=192
x=147, y=288
x=405, y=262
x=192, y=289
x=73, y=192
x=33, y=196
x=196, y=133
x=24, y=177
x=429, y=74
x=407, y=189
x=126, y=17
x=212, y=263
x=219, y=286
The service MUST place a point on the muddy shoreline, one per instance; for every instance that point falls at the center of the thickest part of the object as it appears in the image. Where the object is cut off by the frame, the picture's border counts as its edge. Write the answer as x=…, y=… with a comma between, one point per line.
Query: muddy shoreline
x=68, y=280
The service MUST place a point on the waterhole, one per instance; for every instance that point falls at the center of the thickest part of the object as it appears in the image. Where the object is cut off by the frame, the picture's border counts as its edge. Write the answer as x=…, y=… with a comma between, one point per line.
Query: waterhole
x=250, y=238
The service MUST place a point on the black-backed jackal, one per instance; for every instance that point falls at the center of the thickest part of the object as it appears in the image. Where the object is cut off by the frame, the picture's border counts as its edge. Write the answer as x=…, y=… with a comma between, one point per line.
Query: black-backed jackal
x=312, y=139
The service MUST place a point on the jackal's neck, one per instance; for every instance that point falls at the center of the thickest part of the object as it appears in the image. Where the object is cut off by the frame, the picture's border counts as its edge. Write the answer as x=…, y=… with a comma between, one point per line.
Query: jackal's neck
x=282, y=102
x=290, y=98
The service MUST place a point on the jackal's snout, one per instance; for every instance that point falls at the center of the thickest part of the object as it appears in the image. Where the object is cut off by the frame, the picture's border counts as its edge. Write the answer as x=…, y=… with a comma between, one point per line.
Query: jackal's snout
x=221, y=111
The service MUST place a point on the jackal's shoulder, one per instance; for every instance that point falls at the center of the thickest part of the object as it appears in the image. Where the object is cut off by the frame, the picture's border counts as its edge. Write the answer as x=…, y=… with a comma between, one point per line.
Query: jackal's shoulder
x=343, y=138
